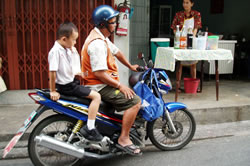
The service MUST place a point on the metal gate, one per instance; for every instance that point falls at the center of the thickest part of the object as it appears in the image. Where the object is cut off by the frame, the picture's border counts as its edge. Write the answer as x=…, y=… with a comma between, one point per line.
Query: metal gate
x=28, y=31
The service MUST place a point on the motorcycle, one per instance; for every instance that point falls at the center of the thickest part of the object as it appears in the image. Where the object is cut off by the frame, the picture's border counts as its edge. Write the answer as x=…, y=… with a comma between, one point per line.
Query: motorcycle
x=56, y=140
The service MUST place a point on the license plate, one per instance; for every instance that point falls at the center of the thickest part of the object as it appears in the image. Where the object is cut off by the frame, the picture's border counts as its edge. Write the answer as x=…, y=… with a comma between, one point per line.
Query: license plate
x=19, y=134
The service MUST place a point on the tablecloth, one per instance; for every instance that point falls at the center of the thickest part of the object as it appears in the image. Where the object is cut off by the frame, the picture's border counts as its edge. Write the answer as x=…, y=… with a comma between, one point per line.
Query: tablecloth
x=166, y=56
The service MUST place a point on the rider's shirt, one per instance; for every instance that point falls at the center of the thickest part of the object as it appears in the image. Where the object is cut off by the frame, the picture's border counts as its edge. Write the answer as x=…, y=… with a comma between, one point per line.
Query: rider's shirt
x=98, y=54
x=66, y=63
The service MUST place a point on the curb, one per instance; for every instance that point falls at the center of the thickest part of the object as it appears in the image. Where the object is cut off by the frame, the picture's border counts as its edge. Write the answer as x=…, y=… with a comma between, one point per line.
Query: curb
x=8, y=137
x=221, y=114
x=19, y=151
x=204, y=116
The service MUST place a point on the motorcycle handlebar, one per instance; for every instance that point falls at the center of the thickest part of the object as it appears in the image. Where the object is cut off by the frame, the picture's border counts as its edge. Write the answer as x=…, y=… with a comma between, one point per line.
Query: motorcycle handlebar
x=148, y=65
x=140, y=68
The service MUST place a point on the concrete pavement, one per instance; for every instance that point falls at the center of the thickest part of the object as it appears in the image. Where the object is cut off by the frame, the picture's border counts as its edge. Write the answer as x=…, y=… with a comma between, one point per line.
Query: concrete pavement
x=203, y=132
x=233, y=106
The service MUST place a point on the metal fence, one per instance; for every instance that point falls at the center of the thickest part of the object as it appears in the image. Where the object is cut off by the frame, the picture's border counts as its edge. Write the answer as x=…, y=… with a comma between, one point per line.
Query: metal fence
x=28, y=31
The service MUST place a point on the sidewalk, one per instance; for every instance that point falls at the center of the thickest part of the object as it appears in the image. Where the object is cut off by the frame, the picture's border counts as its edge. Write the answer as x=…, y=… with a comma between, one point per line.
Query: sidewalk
x=233, y=106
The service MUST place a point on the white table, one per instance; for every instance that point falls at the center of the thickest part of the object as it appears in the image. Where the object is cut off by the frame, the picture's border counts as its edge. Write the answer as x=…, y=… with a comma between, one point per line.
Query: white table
x=167, y=56
x=223, y=66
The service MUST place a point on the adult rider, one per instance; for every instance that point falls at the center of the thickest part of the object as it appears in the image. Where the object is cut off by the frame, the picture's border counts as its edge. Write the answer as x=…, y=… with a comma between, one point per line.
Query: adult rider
x=101, y=72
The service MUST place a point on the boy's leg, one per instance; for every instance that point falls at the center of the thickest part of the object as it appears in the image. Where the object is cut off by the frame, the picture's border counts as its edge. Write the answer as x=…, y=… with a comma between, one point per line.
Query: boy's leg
x=93, y=108
x=89, y=131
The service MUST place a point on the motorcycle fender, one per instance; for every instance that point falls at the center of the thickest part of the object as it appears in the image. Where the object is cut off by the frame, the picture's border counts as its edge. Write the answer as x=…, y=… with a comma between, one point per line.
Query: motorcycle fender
x=173, y=106
x=27, y=123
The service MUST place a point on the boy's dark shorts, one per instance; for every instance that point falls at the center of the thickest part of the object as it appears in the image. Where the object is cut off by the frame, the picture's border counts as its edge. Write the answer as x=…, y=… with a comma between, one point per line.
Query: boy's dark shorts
x=118, y=99
x=73, y=89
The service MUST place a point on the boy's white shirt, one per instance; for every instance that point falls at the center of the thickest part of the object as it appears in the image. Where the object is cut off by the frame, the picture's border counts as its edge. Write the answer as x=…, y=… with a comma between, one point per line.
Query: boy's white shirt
x=66, y=63
x=97, y=51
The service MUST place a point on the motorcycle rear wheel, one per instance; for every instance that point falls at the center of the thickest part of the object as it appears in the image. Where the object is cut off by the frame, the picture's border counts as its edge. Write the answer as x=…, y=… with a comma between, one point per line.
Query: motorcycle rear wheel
x=52, y=126
x=163, y=138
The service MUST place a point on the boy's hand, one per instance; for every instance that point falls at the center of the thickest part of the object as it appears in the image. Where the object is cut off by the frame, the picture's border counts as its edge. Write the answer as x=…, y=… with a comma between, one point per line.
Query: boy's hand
x=54, y=95
x=80, y=74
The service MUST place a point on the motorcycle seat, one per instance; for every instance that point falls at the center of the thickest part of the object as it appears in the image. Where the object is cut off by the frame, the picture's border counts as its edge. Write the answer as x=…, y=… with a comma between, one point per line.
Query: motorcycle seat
x=104, y=106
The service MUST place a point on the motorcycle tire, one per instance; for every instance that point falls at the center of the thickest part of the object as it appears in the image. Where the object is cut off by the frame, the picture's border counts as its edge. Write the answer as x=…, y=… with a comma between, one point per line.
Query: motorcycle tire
x=41, y=156
x=163, y=138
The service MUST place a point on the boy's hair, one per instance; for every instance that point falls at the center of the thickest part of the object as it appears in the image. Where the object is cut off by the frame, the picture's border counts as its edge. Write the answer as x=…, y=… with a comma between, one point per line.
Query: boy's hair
x=65, y=29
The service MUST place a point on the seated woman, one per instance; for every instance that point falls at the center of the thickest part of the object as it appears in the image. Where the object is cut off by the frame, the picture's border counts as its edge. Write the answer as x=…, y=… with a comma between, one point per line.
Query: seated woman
x=189, y=18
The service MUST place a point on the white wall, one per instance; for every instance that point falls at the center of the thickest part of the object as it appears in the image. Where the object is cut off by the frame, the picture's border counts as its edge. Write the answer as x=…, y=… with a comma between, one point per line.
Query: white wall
x=137, y=39
x=122, y=42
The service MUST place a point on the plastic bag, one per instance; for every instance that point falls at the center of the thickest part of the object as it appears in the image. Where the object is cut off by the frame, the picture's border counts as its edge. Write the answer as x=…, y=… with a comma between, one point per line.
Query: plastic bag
x=152, y=106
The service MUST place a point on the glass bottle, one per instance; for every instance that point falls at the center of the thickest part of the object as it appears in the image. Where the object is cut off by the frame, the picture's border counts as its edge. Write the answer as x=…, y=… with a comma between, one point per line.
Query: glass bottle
x=177, y=38
x=190, y=38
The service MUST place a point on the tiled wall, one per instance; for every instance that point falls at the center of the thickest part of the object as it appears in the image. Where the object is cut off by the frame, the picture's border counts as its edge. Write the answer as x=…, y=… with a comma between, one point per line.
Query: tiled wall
x=139, y=30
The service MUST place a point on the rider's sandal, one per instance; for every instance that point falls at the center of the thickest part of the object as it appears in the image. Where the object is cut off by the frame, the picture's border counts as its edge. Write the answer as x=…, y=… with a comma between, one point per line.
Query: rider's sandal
x=130, y=149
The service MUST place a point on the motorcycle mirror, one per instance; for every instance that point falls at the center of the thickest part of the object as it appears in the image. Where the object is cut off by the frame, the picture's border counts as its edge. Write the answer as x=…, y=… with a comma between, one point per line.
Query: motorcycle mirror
x=140, y=55
x=150, y=64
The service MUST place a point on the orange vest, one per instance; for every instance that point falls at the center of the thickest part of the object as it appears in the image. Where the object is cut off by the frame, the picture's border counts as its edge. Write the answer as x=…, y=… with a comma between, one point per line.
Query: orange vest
x=90, y=78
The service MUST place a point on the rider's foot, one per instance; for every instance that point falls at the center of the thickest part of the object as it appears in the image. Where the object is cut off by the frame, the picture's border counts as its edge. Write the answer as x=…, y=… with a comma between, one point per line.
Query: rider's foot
x=125, y=144
x=130, y=149
x=92, y=135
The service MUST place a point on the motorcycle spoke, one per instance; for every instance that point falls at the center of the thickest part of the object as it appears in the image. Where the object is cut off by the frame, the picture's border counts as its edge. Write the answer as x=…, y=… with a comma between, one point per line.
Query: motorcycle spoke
x=47, y=156
x=165, y=137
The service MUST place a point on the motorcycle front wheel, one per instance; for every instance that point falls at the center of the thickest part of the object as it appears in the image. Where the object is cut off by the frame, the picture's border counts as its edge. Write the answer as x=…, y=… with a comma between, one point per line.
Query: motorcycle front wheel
x=56, y=126
x=164, y=138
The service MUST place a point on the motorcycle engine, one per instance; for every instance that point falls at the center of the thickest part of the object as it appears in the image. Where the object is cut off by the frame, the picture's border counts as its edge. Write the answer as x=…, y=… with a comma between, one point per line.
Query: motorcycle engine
x=103, y=145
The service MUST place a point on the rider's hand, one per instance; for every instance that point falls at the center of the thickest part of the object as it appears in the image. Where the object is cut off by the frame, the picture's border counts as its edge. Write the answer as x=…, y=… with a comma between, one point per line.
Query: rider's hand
x=54, y=95
x=129, y=93
x=134, y=67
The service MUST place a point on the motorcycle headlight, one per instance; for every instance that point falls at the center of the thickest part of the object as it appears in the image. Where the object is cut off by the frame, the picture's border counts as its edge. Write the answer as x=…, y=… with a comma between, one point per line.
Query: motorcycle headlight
x=164, y=81
x=165, y=85
x=169, y=83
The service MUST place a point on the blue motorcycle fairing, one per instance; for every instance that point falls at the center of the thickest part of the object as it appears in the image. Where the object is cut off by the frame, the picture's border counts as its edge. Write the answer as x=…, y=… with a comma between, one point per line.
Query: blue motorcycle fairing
x=59, y=108
x=173, y=106
x=71, y=112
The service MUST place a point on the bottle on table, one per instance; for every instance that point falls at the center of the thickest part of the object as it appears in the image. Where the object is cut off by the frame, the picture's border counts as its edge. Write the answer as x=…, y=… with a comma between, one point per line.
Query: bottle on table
x=177, y=37
x=199, y=34
x=206, y=32
x=183, y=38
x=190, y=38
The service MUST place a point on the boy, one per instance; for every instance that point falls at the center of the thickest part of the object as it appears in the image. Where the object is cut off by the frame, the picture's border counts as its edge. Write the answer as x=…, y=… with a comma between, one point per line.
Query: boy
x=64, y=65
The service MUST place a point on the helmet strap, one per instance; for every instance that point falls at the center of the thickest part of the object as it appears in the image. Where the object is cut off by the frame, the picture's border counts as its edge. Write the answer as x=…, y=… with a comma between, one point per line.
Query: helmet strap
x=107, y=26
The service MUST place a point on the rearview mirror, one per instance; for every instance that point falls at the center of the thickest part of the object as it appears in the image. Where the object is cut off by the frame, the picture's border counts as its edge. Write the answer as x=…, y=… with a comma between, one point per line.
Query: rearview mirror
x=150, y=64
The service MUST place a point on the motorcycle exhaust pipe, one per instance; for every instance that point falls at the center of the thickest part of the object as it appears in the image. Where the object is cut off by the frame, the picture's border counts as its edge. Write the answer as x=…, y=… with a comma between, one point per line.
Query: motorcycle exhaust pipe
x=66, y=148
x=59, y=146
